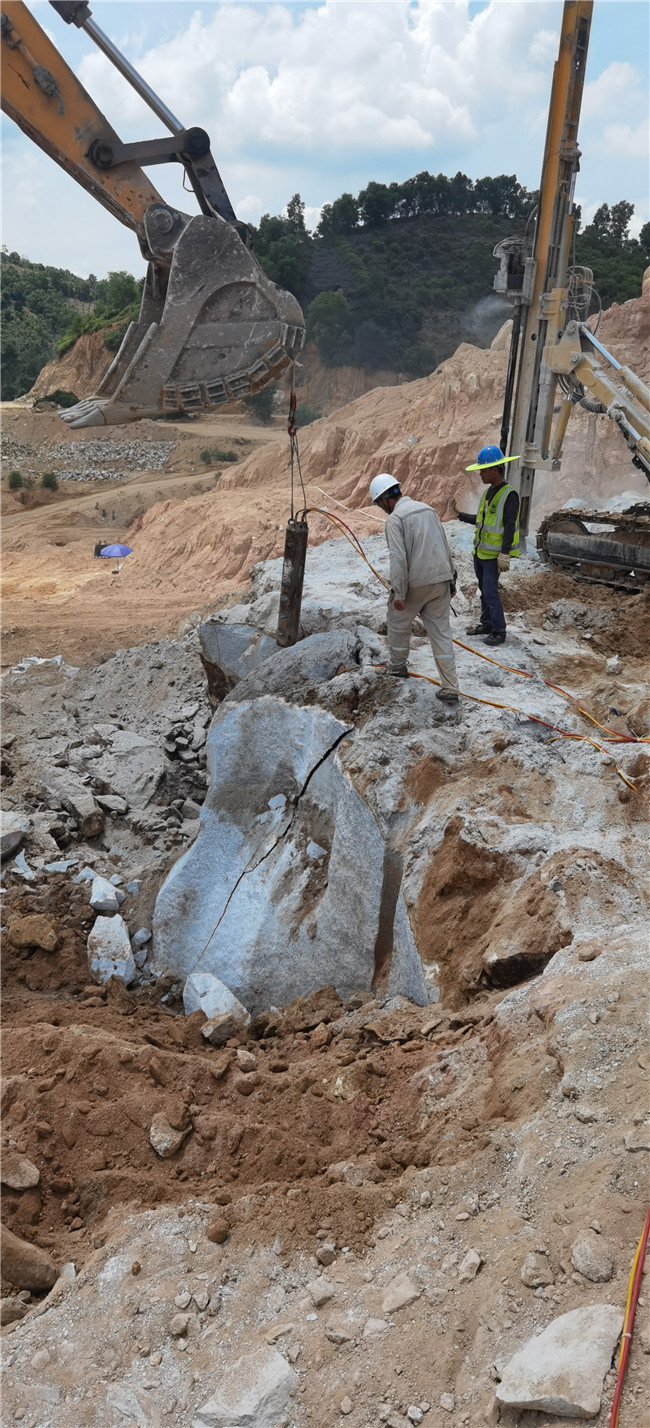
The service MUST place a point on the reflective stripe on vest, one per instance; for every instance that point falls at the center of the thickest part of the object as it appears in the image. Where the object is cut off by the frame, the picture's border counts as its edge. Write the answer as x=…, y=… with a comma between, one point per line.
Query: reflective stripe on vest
x=488, y=537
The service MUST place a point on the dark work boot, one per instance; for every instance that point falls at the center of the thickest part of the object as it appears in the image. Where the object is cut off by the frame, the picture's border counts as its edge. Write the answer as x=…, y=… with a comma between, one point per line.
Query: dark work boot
x=448, y=696
x=400, y=673
x=494, y=639
x=478, y=630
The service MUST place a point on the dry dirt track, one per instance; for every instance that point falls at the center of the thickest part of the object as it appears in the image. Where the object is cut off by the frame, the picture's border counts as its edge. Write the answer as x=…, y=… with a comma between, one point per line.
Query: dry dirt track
x=56, y=598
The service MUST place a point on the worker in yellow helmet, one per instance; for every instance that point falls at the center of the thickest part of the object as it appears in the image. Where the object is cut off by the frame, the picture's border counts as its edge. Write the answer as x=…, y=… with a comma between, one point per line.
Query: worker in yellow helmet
x=496, y=540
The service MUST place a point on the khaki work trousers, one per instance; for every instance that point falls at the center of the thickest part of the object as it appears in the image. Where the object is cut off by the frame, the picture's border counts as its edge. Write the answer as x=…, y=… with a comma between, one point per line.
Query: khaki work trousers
x=431, y=603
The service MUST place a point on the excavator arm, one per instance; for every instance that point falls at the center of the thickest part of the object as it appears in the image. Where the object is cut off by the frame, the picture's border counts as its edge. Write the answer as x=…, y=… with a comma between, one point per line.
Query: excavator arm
x=212, y=326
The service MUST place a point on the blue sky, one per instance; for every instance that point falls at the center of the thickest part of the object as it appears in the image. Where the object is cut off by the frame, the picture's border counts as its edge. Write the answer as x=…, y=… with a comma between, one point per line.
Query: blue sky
x=320, y=98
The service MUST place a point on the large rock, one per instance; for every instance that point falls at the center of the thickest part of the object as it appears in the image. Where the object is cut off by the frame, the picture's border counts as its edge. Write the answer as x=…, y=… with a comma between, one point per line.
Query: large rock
x=18, y=1172
x=285, y=889
x=229, y=653
x=562, y=1370
x=13, y=828
x=69, y=788
x=104, y=897
x=337, y=594
x=253, y=1393
x=24, y=1264
x=301, y=667
x=109, y=950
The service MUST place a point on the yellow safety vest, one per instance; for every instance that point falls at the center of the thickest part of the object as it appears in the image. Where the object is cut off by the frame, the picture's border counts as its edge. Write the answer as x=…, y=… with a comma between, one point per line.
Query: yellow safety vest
x=488, y=537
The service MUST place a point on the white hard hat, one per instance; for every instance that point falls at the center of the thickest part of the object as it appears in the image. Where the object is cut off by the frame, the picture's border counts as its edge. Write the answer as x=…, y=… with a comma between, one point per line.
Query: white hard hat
x=380, y=484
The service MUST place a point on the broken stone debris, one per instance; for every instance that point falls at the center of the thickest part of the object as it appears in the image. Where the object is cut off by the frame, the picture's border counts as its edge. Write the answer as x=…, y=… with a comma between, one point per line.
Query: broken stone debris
x=562, y=1369
x=165, y=1138
x=67, y=787
x=17, y=1171
x=109, y=950
x=252, y=1393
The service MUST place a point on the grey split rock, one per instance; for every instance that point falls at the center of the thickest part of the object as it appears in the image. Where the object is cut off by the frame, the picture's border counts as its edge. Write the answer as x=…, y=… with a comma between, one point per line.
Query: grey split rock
x=111, y=802
x=140, y=938
x=13, y=828
x=76, y=798
x=109, y=950
x=219, y=1029
x=638, y=1139
x=247, y=876
x=592, y=1257
x=206, y=993
x=253, y=1393
x=104, y=897
x=447, y=1402
x=562, y=1370
x=374, y=1326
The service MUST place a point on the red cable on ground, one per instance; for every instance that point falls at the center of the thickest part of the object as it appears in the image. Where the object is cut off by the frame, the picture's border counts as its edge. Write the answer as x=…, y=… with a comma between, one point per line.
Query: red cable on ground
x=633, y=1290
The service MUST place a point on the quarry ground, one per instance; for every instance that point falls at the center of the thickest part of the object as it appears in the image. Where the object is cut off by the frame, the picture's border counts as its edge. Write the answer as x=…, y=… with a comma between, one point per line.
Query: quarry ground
x=355, y=1153
x=389, y=1141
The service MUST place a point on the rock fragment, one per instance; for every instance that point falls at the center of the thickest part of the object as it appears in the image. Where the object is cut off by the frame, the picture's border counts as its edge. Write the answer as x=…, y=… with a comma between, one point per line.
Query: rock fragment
x=109, y=950
x=35, y=930
x=13, y=828
x=638, y=1139
x=253, y=1393
x=592, y=1257
x=447, y=1402
x=401, y=1292
x=321, y=1291
x=104, y=897
x=163, y=1137
x=469, y=1266
x=562, y=1370
x=206, y=993
x=217, y=1230
x=219, y=1029
x=17, y=1171
x=24, y=1264
x=535, y=1271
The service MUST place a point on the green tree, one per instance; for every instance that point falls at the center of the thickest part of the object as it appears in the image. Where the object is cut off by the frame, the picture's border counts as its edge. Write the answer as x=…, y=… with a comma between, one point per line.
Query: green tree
x=329, y=322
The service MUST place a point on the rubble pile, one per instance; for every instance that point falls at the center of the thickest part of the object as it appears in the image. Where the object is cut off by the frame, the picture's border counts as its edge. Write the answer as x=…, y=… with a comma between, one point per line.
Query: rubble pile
x=324, y=1019
x=86, y=460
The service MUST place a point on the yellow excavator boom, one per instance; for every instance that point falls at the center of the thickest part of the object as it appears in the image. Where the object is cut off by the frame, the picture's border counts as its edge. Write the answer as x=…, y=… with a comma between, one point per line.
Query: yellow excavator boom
x=212, y=326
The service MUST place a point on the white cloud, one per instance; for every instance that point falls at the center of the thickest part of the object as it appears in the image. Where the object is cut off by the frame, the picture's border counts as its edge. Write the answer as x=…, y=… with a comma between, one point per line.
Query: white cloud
x=396, y=76
x=626, y=142
x=603, y=95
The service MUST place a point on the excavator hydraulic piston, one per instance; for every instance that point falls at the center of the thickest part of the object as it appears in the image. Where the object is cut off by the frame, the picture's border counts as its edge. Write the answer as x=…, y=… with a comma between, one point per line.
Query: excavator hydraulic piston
x=293, y=574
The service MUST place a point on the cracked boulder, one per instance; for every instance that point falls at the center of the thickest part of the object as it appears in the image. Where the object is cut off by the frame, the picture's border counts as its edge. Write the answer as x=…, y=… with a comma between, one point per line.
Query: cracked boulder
x=288, y=886
x=229, y=653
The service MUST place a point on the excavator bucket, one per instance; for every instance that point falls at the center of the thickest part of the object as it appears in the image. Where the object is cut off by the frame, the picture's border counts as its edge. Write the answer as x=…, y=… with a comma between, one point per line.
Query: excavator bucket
x=212, y=327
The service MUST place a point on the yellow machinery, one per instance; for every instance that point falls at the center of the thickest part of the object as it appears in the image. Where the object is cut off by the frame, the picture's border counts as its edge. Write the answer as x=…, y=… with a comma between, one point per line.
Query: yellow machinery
x=553, y=346
x=212, y=326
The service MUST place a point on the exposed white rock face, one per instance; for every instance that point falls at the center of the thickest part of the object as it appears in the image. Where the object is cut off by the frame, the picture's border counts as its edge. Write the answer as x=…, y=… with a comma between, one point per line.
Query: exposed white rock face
x=104, y=897
x=203, y=992
x=248, y=903
x=251, y=1394
x=109, y=950
x=229, y=652
x=562, y=1370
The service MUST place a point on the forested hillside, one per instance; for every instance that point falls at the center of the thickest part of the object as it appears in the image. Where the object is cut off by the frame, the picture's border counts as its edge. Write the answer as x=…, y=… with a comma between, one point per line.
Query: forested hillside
x=393, y=278
x=44, y=309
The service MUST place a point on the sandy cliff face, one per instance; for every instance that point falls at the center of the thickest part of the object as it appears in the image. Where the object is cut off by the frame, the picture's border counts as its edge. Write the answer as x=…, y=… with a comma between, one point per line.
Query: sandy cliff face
x=424, y=432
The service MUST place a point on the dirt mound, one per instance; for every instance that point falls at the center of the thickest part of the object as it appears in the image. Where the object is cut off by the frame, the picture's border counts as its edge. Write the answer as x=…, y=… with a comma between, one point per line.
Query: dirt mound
x=79, y=370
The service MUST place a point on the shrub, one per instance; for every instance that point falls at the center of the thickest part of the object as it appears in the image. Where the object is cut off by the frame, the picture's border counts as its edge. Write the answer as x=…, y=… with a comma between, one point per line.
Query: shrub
x=49, y=481
x=306, y=414
x=211, y=454
x=260, y=404
x=59, y=398
x=15, y=481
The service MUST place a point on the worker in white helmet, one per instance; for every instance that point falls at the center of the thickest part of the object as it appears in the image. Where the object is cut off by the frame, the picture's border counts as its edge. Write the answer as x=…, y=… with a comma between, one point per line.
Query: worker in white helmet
x=422, y=579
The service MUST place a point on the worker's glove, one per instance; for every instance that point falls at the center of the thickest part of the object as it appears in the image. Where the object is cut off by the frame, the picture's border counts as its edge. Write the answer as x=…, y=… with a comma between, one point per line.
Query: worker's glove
x=503, y=563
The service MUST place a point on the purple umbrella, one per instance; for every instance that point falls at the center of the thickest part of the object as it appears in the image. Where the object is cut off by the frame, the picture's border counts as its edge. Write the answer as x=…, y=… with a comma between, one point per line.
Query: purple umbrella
x=111, y=551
